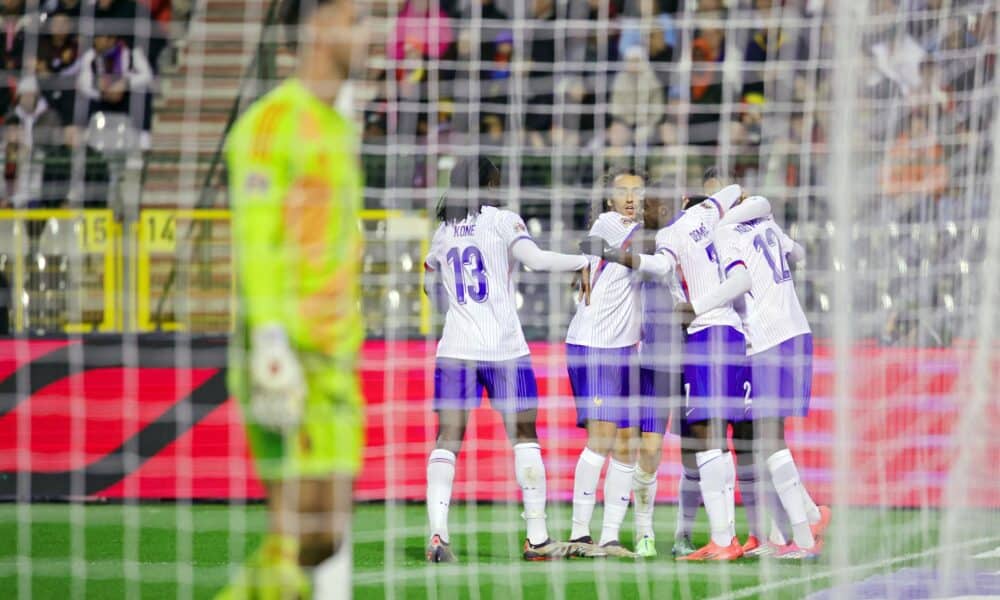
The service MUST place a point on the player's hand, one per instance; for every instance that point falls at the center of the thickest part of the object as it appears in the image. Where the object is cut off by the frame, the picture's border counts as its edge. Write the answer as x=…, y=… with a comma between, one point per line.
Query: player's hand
x=585, y=285
x=686, y=312
x=597, y=246
x=594, y=245
x=278, y=388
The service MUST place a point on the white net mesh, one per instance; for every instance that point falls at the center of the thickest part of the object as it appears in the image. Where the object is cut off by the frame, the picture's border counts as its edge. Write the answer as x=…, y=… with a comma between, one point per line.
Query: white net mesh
x=870, y=126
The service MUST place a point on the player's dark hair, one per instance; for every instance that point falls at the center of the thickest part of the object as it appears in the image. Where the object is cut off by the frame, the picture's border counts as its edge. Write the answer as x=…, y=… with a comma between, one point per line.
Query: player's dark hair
x=469, y=187
x=714, y=172
x=694, y=200
x=292, y=14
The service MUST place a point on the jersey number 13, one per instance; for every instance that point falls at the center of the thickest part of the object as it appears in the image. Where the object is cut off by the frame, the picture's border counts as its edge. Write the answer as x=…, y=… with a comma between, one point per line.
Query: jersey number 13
x=472, y=259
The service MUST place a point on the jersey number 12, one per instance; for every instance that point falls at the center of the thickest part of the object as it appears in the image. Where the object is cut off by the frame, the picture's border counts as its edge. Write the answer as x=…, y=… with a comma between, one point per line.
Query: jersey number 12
x=469, y=257
x=779, y=269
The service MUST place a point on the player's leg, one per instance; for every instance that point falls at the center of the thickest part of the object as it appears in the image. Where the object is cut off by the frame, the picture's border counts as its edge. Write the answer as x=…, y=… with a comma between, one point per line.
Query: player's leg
x=613, y=386
x=600, y=421
x=618, y=488
x=454, y=396
x=644, y=487
x=754, y=485
x=710, y=377
x=513, y=392
x=655, y=389
x=778, y=376
x=785, y=477
x=689, y=486
x=309, y=477
x=273, y=570
x=688, y=498
x=801, y=391
x=586, y=476
x=714, y=465
x=323, y=513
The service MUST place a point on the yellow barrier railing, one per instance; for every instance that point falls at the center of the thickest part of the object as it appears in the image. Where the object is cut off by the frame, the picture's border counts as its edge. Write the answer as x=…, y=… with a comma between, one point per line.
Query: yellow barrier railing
x=120, y=274
x=34, y=237
x=156, y=235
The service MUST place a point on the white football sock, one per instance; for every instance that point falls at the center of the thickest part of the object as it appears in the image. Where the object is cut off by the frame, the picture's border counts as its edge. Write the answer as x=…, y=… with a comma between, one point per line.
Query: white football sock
x=644, y=486
x=588, y=473
x=712, y=469
x=777, y=537
x=730, y=490
x=812, y=511
x=787, y=484
x=617, y=493
x=746, y=475
x=688, y=500
x=440, y=475
x=781, y=529
x=530, y=473
x=332, y=577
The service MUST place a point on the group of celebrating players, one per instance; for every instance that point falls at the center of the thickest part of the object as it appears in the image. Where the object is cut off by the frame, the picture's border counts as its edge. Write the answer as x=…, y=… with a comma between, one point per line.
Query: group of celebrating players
x=720, y=266
x=704, y=332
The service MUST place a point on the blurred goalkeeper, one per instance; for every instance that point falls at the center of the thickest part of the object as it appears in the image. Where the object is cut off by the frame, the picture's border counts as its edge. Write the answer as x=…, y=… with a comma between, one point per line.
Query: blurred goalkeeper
x=296, y=189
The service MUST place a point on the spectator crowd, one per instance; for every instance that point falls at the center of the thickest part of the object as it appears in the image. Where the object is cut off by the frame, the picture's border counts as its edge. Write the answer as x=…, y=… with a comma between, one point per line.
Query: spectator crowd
x=71, y=68
x=560, y=90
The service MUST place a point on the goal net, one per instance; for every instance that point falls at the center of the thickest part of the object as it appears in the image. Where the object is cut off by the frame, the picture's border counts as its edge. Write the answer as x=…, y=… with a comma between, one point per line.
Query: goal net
x=870, y=126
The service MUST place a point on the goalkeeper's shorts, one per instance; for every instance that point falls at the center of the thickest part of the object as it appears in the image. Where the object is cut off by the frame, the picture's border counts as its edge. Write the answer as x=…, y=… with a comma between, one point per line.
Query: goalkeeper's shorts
x=331, y=437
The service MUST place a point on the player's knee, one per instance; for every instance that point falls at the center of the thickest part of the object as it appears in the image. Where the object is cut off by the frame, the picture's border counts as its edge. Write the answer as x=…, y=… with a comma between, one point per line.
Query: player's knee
x=317, y=547
x=650, y=452
x=689, y=458
x=601, y=437
x=524, y=431
x=450, y=438
x=624, y=447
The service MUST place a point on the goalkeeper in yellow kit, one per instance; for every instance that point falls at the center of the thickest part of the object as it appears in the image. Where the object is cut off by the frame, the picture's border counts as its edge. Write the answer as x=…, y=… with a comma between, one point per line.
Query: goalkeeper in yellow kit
x=295, y=189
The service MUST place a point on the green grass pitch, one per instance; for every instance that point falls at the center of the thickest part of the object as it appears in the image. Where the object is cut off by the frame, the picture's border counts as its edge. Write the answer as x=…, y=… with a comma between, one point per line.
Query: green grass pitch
x=171, y=551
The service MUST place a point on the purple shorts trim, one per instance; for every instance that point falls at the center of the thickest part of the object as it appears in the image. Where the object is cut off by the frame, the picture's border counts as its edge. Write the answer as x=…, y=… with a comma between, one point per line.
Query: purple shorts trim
x=716, y=375
x=659, y=391
x=459, y=384
x=601, y=379
x=781, y=379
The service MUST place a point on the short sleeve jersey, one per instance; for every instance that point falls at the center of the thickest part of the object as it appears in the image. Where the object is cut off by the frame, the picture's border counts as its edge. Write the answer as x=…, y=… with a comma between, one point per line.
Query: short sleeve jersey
x=473, y=261
x=773, y=313
x=614, y=315
x=688, y=239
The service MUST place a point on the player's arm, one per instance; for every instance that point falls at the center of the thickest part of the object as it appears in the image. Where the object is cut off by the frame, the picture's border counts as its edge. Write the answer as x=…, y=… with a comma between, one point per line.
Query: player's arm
x=754, y=207
x=524, y=250
x=660, y=264
x=737, y=280
x=793, y=250
x=527, y=252
x=433, y=286
x=259, y=187
x=736, y=284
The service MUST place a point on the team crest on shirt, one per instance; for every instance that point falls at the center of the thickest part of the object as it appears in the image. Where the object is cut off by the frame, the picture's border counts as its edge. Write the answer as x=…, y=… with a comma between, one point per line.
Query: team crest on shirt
x=519, y=226
x=598, y=401
x=256, y=183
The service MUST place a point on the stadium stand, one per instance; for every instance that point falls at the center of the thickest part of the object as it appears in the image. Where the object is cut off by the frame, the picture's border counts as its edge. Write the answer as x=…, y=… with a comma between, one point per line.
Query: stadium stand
x=666, y=99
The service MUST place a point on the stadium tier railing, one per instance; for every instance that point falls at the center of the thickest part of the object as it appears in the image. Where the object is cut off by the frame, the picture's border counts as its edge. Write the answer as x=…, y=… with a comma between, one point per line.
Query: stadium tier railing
x=80, y=271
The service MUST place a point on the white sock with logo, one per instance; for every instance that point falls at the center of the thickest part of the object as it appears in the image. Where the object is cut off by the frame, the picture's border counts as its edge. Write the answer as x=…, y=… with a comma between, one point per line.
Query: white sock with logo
x=617, y=493
x=440, y=475
x=588, y=473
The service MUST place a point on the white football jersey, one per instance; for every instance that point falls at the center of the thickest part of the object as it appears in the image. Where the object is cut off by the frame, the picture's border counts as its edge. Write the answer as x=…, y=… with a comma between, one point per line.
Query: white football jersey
x=472, y=258
x=614, y=316
x=772, y=311
x=689, y=240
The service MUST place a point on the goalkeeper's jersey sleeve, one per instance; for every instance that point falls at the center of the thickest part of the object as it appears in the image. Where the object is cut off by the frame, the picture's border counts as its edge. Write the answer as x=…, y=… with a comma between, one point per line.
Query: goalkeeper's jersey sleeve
x=295, y=191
